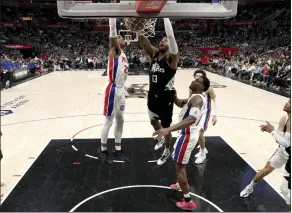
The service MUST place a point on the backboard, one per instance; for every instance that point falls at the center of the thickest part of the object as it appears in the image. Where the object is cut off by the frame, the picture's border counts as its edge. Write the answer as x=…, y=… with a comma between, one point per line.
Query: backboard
x=129, y=36
x=86, y=9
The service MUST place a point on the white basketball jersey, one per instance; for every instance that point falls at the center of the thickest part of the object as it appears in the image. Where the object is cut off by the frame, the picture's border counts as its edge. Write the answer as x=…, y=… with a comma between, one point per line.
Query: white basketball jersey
x=117, y=70
x=206, y=98
x=184, y=113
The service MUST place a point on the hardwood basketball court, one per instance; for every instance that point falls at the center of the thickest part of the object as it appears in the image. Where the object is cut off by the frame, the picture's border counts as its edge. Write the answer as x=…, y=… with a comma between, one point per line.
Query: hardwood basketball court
x=60, y=116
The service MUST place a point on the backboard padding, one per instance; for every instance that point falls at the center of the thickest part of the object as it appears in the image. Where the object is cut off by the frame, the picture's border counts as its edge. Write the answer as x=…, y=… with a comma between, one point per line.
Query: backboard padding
x=172, y=9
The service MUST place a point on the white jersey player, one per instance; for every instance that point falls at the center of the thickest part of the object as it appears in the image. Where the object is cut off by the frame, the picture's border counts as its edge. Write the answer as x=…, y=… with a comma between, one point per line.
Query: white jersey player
x=208, y=95
x=283, y=137
x=189, y=119
x=114, y=94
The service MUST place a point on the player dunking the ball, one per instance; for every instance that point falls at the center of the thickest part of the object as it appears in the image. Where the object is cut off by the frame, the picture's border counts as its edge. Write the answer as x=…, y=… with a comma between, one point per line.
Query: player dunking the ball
x=114, y=95
x=161, y=81
x=209, y=95
x=189, y=118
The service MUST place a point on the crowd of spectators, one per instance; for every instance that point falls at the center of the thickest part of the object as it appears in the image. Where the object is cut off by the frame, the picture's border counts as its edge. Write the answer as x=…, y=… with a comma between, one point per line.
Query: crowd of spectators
x=260, y=32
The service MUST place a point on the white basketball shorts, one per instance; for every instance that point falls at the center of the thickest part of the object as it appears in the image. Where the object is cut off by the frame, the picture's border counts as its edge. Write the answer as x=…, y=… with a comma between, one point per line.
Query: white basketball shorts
x=184, y=145
x=278, y=159
x=114, y=100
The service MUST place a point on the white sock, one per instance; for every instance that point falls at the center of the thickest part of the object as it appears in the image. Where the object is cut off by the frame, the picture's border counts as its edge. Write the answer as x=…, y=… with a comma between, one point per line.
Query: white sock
x=103, y=148
x=166, y=150
x=118, y=146
x=252, y=183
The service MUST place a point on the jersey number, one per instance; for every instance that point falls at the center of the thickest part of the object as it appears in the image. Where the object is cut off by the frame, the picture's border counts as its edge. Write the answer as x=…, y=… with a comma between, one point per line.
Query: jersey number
x=154, y=78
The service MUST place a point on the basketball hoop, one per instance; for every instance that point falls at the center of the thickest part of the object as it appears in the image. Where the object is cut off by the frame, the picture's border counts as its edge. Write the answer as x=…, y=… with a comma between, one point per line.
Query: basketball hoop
x=141, y=26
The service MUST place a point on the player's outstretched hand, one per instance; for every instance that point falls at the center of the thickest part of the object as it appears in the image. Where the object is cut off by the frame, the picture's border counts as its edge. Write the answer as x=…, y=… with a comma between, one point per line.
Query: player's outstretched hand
x=267, y=128
x=161, y=133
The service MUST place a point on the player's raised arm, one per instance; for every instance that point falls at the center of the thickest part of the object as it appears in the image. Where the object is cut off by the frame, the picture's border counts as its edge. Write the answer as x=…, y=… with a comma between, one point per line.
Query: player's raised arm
x=115, y=49
x=146, y=46
x=173, y=48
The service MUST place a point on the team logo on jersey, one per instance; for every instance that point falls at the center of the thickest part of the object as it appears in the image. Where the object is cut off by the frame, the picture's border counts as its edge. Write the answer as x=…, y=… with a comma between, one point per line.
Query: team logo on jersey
x=140, y=91
x=156, y=68
x=122, y=108
x=216, y=85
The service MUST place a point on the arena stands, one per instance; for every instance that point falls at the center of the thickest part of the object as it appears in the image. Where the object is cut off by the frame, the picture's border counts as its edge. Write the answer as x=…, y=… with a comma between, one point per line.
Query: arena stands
x=253, y=47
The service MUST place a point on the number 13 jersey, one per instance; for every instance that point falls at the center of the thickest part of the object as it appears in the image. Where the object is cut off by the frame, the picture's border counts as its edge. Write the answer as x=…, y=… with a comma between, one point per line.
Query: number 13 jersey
x=161, y=75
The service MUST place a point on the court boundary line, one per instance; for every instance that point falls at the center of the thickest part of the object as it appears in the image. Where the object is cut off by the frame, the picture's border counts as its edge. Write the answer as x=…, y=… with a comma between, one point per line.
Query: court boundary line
x=268, y=182
x=25, y=171
x=139, y=186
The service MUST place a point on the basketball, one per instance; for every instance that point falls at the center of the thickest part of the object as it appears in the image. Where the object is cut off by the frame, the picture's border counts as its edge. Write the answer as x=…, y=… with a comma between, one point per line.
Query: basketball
x=135, y=24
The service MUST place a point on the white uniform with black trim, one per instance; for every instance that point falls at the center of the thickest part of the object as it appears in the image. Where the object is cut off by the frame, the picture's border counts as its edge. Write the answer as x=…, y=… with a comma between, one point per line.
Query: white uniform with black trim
x=188, y=137
x=280, y=157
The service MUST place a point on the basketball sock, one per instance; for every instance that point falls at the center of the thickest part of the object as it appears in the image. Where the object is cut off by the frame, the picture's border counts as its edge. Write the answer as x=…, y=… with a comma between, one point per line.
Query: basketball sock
x=252, y=183
x=103, y=148
x=166, y=150
x=187, y=197
x=118, y=146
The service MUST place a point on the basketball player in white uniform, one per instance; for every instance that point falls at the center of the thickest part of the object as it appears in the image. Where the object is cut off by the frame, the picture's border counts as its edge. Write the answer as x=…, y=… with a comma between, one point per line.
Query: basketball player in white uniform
x=209, y=95
x=281, y=156
x=114, y=94
x=189, y=118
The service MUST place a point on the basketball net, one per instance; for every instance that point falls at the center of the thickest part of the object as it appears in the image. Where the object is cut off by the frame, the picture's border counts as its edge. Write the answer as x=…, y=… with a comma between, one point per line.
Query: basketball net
x=148, y=28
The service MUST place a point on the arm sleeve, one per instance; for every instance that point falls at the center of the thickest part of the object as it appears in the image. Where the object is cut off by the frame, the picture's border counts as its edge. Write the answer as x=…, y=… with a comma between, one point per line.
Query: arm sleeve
x=173, y=49
x=281, y=140
x=113, y=27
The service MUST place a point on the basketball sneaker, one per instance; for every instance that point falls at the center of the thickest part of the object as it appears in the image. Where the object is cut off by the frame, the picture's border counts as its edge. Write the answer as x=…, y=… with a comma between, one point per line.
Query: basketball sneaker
x=163, y=158
x=247, y=191
x=205, y=152
x=105, y=156
x=201, y=158
x=159, y=144
x=186, y=205
x=119, y=155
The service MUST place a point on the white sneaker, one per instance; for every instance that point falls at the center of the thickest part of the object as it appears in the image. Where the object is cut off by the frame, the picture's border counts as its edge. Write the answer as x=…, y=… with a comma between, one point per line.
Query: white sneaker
x=159, y=144
x=247, y=191
x=200, y=158
x=205, y=152
x=163, y=158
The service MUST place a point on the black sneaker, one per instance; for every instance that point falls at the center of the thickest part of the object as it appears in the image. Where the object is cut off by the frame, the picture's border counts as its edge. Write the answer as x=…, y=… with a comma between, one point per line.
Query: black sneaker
x=119, y=156
x=105, y=156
